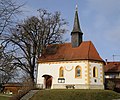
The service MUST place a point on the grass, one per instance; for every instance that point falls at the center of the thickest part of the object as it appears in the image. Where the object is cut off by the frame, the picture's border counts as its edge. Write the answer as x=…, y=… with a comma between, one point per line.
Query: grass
x=4, y=97
x=72, y=94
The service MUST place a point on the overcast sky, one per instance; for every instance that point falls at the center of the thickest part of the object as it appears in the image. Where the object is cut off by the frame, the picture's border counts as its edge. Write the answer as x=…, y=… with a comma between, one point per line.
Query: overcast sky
x=99, y=20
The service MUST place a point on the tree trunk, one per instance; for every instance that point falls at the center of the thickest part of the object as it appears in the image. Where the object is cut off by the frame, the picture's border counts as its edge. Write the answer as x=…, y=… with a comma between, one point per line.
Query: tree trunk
x=32, y=78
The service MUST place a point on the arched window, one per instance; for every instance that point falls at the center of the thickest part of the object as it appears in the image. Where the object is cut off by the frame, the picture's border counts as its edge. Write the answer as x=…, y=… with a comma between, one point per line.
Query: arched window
x=78, y=71
x=61, y=72
x=95, y=72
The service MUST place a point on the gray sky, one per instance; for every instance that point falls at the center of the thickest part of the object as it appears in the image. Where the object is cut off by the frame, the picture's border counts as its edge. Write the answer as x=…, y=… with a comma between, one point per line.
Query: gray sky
x=99, y=20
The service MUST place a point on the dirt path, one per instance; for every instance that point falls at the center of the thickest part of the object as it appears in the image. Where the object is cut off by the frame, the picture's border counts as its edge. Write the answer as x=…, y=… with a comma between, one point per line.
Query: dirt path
x=5, y=95
x=29, y=95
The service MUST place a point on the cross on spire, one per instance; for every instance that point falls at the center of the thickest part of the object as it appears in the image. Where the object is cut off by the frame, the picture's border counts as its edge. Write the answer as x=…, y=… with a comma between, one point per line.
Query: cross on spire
x=76, y=7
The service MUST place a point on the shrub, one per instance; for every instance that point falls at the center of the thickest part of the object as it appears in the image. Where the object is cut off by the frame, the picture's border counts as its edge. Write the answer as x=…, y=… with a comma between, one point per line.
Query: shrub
x=1, y=88
x=110, y=85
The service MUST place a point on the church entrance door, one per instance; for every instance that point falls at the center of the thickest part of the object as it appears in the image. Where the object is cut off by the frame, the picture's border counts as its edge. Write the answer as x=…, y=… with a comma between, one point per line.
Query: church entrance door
x=47, y=81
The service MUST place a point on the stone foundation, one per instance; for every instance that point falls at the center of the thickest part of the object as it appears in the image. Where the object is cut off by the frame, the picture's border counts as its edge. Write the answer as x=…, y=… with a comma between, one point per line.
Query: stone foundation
x=77, y=86
x=40, y=86
x=96, y=86
x=73, y=86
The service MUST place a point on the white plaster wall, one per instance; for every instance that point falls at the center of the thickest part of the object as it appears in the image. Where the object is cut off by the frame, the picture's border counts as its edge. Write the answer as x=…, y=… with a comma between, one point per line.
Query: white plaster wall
x=53, y=70
x=99, y=79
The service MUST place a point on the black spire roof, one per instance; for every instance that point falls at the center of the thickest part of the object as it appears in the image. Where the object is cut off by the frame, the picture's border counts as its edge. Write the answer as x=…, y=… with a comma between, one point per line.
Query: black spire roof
x=76, y=27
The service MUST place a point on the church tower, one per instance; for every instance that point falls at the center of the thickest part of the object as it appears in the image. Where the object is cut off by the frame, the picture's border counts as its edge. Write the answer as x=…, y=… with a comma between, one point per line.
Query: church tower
x=76, y=34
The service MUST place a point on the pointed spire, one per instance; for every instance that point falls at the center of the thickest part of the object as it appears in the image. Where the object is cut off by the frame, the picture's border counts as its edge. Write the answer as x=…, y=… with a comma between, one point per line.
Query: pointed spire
x=76, y=34
x=76, y=27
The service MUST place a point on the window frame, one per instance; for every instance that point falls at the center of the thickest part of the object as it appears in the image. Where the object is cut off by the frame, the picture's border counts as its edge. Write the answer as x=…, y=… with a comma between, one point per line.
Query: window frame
x=95, y=72
x=76, y=72
x=61, y=72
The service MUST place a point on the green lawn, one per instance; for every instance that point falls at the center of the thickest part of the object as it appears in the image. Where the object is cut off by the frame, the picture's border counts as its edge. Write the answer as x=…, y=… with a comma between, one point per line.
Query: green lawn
x=4, y=97
x=72, y=94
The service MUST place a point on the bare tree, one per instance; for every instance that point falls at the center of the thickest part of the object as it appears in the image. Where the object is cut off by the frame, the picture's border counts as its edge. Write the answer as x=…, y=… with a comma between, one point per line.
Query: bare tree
x=8, y=11
x=7, y=68
x=31, y=37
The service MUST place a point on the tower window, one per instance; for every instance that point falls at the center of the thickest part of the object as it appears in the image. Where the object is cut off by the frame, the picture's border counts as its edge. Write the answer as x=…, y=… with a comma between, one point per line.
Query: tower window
x=78, y=71
x=61, y=72
x=95, y=72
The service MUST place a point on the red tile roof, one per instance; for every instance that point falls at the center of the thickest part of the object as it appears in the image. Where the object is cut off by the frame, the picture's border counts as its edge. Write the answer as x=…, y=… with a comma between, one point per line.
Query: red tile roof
x=112, y=67
x=65, y=52
x=13, y=85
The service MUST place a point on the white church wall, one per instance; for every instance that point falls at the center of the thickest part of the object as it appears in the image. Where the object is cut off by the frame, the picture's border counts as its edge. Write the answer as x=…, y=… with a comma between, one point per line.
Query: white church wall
x=69, y=72
x=52, y=68
x=99, y=79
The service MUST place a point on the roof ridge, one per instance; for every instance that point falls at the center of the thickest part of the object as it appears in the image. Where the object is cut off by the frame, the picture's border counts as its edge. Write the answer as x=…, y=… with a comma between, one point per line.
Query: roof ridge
x=65, y=43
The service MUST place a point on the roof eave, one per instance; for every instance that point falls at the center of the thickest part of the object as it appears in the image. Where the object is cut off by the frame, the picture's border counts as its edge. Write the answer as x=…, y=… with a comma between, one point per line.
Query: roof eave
x=58, y=60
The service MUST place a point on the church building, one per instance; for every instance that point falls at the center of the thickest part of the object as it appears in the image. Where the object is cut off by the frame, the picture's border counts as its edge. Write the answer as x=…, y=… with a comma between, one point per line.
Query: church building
x=71, y=65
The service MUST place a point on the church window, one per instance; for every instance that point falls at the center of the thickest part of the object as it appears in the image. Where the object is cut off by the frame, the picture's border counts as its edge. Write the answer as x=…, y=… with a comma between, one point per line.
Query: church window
x=95, y=80
x=61, y=72
x=95, y=72
x=78, y=71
